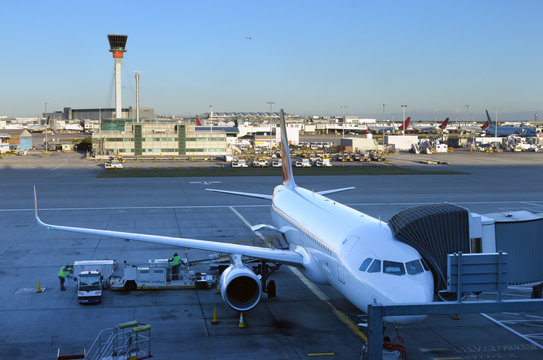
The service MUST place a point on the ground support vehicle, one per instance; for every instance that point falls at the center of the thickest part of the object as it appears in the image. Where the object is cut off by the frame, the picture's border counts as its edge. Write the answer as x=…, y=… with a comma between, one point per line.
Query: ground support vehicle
x=92, y=277
x=157, y=275
x=261, y=163
x=239, y=163
x=114, y=164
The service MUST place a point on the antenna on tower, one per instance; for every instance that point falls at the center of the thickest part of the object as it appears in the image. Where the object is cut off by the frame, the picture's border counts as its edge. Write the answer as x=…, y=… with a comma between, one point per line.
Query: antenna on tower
x=137, y=96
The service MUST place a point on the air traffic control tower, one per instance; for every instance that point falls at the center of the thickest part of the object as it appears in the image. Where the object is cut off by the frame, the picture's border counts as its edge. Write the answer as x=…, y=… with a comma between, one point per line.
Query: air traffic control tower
x=117, y=44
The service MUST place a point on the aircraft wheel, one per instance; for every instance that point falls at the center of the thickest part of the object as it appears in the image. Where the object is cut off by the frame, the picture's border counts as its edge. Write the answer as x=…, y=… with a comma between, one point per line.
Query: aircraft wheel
x=130, y=285
x=271, y=289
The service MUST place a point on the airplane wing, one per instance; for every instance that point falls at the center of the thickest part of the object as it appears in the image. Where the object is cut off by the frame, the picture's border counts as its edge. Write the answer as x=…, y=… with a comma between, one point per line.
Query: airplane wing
x=281, y=256
x=253, y=195
x=326, y=192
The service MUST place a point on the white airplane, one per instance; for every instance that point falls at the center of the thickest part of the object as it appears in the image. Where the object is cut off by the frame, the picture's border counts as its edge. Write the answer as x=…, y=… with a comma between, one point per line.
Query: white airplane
x=329, y=242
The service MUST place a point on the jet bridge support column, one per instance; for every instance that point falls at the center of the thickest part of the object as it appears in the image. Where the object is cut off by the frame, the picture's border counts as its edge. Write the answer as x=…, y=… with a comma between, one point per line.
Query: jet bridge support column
x=375, y=331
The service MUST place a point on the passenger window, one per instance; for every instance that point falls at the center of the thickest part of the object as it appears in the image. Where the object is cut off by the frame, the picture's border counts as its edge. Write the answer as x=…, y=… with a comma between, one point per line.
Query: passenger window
x=375, y=266
x=393, y=268
x=365, y=264
x=414, y=267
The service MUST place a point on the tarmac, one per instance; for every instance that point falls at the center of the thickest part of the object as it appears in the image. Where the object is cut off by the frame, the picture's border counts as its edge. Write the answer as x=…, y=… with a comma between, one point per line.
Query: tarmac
x=301, y=323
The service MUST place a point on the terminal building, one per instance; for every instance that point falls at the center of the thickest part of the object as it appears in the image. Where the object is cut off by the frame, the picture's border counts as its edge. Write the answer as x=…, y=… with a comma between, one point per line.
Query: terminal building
x=146, y=113
x=15, y=140
x=128, y=138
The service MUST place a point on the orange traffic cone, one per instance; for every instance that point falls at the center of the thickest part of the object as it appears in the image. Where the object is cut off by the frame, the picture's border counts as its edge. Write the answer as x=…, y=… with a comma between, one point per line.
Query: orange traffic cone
x=39, y=287
x=241, y=323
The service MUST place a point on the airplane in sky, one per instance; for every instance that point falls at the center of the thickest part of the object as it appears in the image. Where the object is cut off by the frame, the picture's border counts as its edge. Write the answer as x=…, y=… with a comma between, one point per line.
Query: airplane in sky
x=492, y=130
x=389, y=128
x=441, y=127
x=329, y=242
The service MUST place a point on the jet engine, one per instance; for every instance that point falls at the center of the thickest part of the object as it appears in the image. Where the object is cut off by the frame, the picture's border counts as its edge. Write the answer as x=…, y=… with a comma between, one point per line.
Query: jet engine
x=241, y=288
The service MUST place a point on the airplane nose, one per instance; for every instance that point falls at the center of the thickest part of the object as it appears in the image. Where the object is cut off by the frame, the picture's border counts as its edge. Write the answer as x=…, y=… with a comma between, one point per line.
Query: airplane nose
x=409, y=294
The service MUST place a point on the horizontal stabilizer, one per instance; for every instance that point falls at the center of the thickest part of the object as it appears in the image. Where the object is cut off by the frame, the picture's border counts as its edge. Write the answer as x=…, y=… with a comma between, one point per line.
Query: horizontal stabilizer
x=326, y=192
x=258, y=196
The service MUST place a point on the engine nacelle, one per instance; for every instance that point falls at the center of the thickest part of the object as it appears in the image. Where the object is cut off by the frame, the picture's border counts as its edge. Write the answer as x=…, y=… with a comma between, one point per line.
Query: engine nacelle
x=241, y=288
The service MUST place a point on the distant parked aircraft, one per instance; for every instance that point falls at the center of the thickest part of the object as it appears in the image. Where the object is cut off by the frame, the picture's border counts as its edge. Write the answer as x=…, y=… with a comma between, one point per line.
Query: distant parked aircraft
x=443, y=126
x=390, y=128
x=502, y=131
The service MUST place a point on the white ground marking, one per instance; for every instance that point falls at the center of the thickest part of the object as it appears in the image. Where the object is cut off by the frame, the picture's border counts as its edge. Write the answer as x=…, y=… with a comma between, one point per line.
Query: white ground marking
x=511, y=330
x=248, y=206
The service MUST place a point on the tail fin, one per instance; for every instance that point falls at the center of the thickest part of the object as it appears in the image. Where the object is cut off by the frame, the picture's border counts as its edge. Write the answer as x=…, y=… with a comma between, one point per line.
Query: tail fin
x=488, y=118
x=198, y=123
x=405, y=124
x=444, y=125
x=288, y=178
x=488, y=121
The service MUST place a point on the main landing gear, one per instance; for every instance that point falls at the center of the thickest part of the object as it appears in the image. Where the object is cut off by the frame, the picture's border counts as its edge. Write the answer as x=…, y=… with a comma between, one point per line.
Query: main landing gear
x=265, y=270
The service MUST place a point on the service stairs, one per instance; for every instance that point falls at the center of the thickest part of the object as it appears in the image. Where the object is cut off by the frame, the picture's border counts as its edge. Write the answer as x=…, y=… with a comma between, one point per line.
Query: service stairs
x=127, y=341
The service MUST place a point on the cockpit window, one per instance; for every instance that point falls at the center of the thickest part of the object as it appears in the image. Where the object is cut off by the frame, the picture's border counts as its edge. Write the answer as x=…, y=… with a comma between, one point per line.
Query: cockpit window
x=393, y=268
x=414, y=267
x=375, y=266
x=425, y=265
x=365, y=264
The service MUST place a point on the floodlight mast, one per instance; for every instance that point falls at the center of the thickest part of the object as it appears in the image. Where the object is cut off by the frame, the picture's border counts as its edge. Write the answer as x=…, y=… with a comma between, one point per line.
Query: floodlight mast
x=117, y=44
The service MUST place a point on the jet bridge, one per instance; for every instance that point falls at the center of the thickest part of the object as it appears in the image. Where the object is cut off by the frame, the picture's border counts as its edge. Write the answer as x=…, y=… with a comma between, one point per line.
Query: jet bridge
x=434, y=230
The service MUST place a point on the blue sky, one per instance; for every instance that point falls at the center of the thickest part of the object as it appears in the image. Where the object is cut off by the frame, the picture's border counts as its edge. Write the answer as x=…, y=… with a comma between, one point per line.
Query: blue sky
x=308, y=57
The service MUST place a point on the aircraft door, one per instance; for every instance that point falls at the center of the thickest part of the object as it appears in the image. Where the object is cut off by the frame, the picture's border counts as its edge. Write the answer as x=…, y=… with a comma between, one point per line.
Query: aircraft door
x=347, y=246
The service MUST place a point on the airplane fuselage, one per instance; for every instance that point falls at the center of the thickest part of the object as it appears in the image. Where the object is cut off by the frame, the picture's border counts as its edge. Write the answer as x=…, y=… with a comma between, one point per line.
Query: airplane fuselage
x=510, y=130
x=337, y=240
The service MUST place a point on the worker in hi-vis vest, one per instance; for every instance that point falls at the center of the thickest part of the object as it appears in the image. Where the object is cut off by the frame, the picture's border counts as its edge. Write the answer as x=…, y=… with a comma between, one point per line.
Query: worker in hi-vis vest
x=66, y=270
x=174, y=263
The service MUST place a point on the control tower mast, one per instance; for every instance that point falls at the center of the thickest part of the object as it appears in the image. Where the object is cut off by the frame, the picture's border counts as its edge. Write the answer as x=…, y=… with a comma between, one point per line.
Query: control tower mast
x=117, y=44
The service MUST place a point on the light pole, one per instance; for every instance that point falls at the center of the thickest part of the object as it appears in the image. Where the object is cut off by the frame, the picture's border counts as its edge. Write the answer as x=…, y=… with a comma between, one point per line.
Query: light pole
x=403, y=119
x=210, y=116
x=497, y=108
x=46, y=126
x=467, y=112
x=137, y=97
x=271, y=135
x=384, y=125
x=343, y=107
